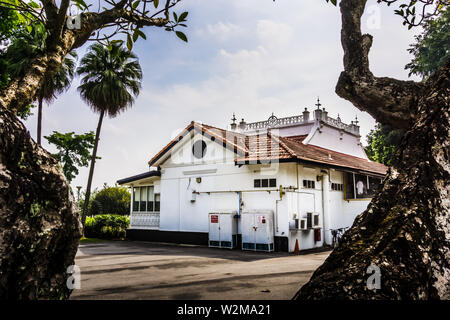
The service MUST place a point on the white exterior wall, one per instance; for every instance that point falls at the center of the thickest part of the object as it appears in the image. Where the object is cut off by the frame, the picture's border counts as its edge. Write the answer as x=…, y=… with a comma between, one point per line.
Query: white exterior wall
x=220, y=183
x=342, y=212
x=296, y=130
x=329, y=138
x=302, y=201
x=222, y=180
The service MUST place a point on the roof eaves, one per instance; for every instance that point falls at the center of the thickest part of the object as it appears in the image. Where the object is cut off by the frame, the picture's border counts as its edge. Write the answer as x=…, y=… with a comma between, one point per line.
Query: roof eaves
x=153, y=173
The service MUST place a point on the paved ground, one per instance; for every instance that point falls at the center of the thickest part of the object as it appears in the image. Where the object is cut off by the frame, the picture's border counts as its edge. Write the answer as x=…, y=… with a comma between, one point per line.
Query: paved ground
x=144, y=270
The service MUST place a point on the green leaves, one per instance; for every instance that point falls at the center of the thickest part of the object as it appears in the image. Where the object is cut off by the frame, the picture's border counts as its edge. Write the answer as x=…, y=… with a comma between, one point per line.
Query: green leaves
x=156, y=3
x=178, y=22
x=432, y=47
x=334, y=2
x=133, y=38
x=135, y=4
x=129, y=42
x=382, y=143
x=73, y=150
x=181, y=35
x=183, y=16
x=81, y=4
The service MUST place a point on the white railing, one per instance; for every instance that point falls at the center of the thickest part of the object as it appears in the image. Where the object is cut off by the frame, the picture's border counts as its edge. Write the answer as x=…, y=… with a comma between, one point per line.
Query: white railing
x=146, y=220
x=274, y=122
x=338, y=124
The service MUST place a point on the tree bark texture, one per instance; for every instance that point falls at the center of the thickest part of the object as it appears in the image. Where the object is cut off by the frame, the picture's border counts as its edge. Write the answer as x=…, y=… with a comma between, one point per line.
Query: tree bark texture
x=405, y=230
x=39, y=122
x=39, y=221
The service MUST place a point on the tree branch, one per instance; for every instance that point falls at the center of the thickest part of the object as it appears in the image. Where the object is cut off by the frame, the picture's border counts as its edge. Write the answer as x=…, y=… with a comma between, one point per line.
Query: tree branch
x=388, y=100
x=118, y=14
x=50, y=8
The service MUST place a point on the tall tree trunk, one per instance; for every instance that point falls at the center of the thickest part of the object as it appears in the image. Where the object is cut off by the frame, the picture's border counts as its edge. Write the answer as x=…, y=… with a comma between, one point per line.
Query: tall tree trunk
x=39, y=221
x=39, y=121
x=405, y=231
x=22, y=90
x=91, y=170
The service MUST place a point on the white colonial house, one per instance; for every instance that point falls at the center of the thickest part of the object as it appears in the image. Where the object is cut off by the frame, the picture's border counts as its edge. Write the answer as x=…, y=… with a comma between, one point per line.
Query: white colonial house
x=271, y=185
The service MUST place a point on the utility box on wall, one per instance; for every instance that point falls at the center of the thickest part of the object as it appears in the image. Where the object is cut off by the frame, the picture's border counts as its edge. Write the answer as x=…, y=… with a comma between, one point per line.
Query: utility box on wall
x=257, y=230
x=222, y=230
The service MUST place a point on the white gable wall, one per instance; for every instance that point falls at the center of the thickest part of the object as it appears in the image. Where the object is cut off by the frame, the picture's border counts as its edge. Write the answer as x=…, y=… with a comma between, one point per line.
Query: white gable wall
x=331, y=138
x=297, y=130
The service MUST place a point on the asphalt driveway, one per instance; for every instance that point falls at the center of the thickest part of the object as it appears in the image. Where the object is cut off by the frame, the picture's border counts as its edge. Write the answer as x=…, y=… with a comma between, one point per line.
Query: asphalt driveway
x=144, y=270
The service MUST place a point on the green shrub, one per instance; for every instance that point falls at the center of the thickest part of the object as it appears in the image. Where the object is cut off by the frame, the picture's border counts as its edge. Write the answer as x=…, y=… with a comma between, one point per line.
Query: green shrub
x=112, y=200
x=106, y=226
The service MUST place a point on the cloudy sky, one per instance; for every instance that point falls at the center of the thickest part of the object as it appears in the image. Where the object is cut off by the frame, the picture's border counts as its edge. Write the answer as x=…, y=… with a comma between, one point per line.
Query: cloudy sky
x=251, y=57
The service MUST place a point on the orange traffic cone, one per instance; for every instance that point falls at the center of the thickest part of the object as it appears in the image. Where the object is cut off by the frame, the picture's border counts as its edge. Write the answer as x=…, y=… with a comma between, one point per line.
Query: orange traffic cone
x=296, y=249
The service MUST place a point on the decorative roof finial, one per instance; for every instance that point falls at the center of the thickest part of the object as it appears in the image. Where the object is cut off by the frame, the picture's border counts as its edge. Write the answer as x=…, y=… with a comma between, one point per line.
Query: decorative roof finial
x=356, y=120
x=318, y=103
x=338, y=118
x=234, y=118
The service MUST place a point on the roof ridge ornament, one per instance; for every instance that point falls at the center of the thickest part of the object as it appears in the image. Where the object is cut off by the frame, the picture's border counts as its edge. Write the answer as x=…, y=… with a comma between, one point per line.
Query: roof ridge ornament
x=318, y=104
x=272, y=121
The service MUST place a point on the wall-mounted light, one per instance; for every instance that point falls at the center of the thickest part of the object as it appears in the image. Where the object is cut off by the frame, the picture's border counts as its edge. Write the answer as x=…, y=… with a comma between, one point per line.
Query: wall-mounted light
x=198, y=179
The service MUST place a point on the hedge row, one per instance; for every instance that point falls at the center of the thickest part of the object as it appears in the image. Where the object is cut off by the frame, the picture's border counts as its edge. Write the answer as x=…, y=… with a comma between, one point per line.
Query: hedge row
x=106, y=226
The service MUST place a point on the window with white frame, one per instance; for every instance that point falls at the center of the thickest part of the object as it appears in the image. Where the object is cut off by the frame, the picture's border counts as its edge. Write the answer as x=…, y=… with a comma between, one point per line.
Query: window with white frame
x=145, y=199
x=360, y=186
x=309, y=184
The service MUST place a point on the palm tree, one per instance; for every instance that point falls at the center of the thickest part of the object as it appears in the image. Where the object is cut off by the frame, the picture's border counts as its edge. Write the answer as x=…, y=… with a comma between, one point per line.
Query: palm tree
x=53, y=85
x=110, y=83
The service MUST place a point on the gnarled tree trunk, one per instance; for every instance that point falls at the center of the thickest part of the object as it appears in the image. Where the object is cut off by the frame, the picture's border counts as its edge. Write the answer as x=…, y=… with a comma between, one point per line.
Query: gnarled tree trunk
x=405, y=230
x=39, y=221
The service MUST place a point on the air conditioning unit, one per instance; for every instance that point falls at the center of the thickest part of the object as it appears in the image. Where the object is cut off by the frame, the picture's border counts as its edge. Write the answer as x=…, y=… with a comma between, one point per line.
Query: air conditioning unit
x=313, y=220
x=302, y=224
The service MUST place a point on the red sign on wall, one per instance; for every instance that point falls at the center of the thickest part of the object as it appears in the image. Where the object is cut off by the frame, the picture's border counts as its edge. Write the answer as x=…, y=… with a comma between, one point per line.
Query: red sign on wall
x=214, y=219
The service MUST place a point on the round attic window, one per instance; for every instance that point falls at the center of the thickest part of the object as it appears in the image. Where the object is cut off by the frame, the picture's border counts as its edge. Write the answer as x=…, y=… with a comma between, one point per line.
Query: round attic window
x=199, y=149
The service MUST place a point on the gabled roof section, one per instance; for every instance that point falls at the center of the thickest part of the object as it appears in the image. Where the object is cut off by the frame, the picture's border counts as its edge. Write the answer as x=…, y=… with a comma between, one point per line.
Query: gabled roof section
x=292, y=148
x=266, y=147
x=232, y=140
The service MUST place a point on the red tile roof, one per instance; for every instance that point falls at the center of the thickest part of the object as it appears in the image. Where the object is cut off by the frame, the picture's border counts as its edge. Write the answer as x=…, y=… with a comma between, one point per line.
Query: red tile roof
x=265, y=147
x=229, y=139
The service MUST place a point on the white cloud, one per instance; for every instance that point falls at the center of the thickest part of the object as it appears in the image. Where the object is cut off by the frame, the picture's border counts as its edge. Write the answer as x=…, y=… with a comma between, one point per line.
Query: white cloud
x=220, y=31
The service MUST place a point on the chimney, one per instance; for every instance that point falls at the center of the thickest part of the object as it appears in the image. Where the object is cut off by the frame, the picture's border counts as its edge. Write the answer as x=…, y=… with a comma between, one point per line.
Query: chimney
x=355, y=125
x=242, y=124
x=324, y=114
x=318, y=115
x=306, y=115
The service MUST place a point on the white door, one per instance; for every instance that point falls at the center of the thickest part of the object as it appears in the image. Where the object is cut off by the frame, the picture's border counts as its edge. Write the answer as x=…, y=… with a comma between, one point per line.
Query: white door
x=225, y=227
x=248, y=225
x=261, y=232
x=214, y=230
